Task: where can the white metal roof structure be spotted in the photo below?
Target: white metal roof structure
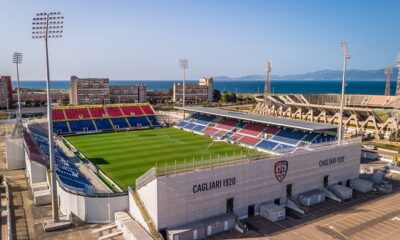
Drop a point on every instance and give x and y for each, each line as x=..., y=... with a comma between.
x=291, y=123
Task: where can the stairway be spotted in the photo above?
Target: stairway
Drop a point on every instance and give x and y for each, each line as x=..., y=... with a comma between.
x=146, y=216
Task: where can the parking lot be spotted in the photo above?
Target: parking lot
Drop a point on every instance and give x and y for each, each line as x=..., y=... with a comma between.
x=364, y=217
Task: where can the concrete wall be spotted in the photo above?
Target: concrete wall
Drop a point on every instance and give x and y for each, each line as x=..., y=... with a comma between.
x=91, y=209
x=255, y=183
x=15, y=154
x=134, y=211
x=35, y=172
x=149, y=196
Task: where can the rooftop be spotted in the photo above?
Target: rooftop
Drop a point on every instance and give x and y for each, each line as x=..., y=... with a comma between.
x=291, y=123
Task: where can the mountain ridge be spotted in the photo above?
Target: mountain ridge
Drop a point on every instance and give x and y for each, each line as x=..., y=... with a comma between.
x=326, y=74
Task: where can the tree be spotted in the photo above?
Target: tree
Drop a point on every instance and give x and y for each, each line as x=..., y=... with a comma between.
x=225, y=97
x=170, y=92
x=216, y=95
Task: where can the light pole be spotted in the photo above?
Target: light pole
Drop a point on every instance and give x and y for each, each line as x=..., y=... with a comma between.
x=183, y=63
x=17, y=59
x=346, y=56
x=267, y=86
x=44, y=26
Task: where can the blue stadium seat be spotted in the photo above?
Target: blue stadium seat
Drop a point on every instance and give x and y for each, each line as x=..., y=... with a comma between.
x=81, y=125
x=153, y=120
x=66, y=171
x=310, y=137
x=289, y=136
x=282, y=148
x=267, y=145
x=103, y=124
x=138, y=122
x=201, y=119
x=120, y=122
x=182, y=124
x=60, y=127
x=190, y=126
x=322, y=138
x=198, y=128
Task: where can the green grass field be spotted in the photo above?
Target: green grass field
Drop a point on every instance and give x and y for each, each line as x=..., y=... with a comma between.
x=124, y=156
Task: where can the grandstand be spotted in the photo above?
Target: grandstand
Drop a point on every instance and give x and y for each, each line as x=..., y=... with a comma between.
x=362, y=114
x=67, y=173
x=267, y=134
x=97, y=118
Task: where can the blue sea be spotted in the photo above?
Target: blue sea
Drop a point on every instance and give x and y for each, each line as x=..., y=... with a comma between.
x=247, y=86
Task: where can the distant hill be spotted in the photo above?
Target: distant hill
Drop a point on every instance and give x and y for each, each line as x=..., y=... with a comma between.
x=352, y=74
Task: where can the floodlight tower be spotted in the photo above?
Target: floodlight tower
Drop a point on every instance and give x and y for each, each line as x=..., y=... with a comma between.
x=48, y=25
x=267, y=87
x=346, y=56
x=17, y=59
x=398, y=75
x=183, y=63
x=388, y=71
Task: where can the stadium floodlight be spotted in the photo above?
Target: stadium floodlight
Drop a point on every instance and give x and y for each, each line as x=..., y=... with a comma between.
x=17, y=59
x=267, y=85
x=47, y=25
x=346, y=56
x=184, y=64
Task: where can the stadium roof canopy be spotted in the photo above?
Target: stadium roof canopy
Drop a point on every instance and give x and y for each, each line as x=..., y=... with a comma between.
x=291, y=123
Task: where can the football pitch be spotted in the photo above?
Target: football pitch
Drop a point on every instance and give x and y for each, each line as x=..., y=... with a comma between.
x=124, y=156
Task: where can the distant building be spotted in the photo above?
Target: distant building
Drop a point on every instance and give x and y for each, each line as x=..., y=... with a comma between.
x=128, y=94
x=6, y=100
x=157, y=96
x=36, y=97
x=89, y=91
x=194, y=93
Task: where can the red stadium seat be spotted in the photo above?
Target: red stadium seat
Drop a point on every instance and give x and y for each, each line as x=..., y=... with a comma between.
x=210, y=130
x=272, y=129
x=148, y=110
x=98, y=112
x=132, y=111
x=253, y=129
x=78, y=113
x=228, y=124
x=114, y=111
x=249, y=140
x=58, y=114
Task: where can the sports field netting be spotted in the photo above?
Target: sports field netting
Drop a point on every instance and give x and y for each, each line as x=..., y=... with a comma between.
x=124, y=156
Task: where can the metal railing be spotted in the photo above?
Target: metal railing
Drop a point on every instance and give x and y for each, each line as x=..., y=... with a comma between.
x=10, y=231
x=210, y=163
x=146, y=178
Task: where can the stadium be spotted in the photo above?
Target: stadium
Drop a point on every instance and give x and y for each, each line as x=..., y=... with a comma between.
x=189, y=181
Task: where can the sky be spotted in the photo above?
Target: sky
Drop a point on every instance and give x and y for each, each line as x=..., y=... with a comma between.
x=144, y=40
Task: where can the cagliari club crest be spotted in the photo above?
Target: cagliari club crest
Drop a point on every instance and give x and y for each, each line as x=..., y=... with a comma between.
x=280, y=170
